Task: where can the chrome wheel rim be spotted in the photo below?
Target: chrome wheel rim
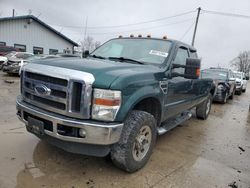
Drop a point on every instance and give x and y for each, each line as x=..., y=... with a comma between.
x=142, y=143
x=208, y=106
x=225, y=100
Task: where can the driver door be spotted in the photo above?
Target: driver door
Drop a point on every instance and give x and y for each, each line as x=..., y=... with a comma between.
x=179, y=96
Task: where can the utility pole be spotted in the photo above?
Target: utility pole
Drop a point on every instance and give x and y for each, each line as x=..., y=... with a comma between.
x=13, y=12
x=196, y=24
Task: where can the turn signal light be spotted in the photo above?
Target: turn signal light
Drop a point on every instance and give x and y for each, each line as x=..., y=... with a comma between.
x=198, y=72
x=107, y=102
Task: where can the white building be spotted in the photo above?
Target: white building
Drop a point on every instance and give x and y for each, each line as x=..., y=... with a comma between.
x=30, y=34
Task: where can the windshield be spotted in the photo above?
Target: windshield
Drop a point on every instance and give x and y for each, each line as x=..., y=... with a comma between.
x=214, y=74
x=144, y=50
x=238, y=75
x=10, y=54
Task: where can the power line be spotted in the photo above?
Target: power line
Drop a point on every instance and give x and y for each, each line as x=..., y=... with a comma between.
x=226, y=14
x=125, y=25
x=186, y=32
x=140, y=29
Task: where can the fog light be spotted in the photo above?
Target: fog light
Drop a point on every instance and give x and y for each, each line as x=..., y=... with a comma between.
x=82, y=133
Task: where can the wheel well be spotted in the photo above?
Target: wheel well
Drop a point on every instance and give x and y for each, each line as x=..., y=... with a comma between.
x=152, y=106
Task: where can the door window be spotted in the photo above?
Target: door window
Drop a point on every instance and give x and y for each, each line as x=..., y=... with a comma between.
x=53, y=51
x=20, y=47
x=180, y=58
x=37, y=50
x=2, y=43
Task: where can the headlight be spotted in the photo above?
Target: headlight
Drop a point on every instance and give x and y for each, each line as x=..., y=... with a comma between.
x=221, y=87
x=106, y=104
x=14, y=65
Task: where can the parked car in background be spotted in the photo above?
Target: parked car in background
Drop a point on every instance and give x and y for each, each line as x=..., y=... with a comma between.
x=13, y=64
x=44, y=56
x=224, y=81
x=4, y=59
x=4, y=50
x=241, y=82
x=247, y=75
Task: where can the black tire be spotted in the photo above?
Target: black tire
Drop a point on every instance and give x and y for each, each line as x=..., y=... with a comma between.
x=203, y=109
x=240, y=92
x=123, y=152
x=243, y=90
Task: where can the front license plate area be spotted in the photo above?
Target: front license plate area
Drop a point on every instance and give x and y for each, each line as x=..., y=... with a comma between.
x=35, y=126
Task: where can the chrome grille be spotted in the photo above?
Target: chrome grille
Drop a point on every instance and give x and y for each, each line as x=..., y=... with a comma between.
x=67, y=95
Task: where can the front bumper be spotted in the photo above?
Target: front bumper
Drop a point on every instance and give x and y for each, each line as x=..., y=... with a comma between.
x=97, y=133
x=219, y=96
x=10, y=69
x=239, y=87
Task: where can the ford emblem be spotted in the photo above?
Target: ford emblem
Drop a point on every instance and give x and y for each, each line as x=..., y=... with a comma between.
x=42, y=90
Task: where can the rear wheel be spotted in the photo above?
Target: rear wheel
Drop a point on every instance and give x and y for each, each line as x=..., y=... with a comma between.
x=137, y=141
x=203, y=110
x=243, y=90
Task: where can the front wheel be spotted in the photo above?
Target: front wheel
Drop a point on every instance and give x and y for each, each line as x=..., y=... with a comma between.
x=203, y=109
x=137, y=141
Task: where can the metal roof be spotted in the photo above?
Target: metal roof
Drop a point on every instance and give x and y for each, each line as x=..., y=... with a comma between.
x=40, y=22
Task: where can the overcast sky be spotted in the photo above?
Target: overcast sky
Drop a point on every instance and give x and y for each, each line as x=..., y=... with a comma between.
x=219, y=38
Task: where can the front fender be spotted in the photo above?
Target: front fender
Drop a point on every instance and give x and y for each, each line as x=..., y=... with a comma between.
x=130, y=101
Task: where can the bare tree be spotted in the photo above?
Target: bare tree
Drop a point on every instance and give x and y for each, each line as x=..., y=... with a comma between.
x=97, y=44
x=242, y=62
x=89, y=44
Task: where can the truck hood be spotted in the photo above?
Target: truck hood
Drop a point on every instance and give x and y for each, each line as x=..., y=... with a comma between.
x=105, y=72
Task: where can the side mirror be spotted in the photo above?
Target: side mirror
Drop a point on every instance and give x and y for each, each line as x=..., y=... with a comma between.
x=192, y=69
x=85, y=54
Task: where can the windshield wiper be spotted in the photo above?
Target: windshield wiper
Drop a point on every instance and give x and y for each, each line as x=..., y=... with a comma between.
x=125, y=59
x=97, y=56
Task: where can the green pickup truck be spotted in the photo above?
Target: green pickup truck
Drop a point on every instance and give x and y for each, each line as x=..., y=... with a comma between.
x=116, y=100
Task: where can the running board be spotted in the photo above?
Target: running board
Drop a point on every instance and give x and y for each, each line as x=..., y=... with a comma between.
x=167, y=126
